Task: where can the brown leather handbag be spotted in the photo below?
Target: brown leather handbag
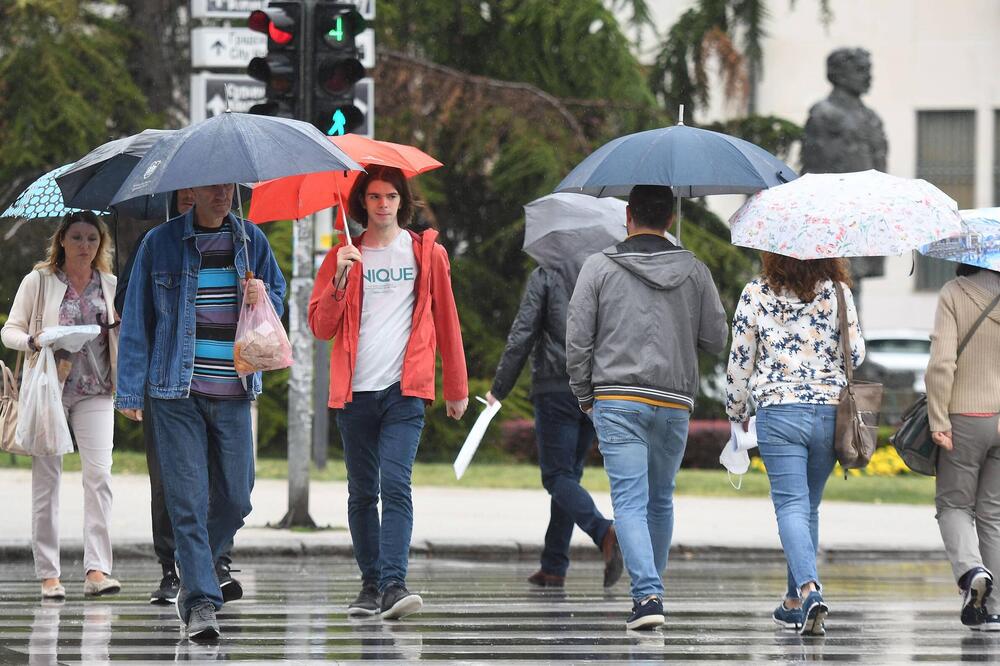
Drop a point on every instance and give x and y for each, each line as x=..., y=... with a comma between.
x=12, y=381
x=856, y=432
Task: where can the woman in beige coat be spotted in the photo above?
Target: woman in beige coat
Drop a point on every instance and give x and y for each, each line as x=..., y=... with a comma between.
x=963, y=404
x=77, y=288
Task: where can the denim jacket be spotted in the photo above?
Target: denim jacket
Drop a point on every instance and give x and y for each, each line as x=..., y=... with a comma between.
x=156, y=350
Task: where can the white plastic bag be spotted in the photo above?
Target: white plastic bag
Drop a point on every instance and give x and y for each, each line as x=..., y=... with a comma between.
x=70, y=338
x=261, y=342
x=41, y=420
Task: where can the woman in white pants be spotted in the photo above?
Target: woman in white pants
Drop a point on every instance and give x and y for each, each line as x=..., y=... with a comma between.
x=77, y=288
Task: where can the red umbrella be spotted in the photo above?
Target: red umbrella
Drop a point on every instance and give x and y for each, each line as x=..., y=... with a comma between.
x=295, y=197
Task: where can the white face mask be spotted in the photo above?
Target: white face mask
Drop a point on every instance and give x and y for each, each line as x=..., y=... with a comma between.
x=735, y=457
x=737, y=461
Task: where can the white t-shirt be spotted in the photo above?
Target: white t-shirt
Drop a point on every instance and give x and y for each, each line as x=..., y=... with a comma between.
x=390, y=277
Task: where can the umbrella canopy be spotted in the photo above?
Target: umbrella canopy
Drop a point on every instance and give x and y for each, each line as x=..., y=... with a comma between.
x=294, y=197
x=93, y=180
x=232, y=148
x=564, y=227
x=42, y=199
x=978, y=244
x=860, y=214
x=694, y=162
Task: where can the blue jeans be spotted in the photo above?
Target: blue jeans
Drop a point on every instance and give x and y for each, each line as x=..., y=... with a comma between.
x=796, y=443
x=564, y=436
x=642, y=447
x=205, y=449
x=380, y=431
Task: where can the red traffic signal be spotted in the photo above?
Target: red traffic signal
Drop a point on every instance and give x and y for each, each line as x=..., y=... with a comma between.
x=278, y=24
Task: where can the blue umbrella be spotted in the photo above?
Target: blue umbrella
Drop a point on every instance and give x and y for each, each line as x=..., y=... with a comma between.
x=694, y=162
x=978, y=244
x=93, y=180
x=233, y=148
x=42, y=199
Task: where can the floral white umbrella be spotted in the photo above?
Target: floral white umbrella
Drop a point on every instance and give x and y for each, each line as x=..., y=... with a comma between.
x=860, y=214
x=978, y=243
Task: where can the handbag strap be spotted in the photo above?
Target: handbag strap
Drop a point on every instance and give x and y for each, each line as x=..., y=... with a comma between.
x=845, y=343
x=9, y=384
x=982, y=317
x=39, y=306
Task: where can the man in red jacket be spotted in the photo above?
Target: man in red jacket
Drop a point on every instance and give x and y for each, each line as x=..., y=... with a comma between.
x=387, y=304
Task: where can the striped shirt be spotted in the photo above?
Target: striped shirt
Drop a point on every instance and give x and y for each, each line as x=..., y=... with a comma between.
x=216, y=314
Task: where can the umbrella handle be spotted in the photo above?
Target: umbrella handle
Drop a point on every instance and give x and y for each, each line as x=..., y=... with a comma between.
x=343, y=216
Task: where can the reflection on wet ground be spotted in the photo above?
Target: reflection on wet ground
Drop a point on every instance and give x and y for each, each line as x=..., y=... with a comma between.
x=483, y=612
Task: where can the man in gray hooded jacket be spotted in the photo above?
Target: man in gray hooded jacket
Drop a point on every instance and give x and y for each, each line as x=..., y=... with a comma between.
x=639, y=314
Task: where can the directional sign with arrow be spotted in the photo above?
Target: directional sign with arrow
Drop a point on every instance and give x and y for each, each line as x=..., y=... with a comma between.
x=226, y=47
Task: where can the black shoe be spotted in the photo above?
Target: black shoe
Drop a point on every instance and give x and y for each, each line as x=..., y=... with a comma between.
x=167, y=592
x=978, y=585
x=647, y=614
x=231, y=588
x=366, y=604
x=398, y=602
x=201, y=624
x=613, y=562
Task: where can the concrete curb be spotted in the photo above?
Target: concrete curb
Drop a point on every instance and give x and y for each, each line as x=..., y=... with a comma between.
x=495, y=551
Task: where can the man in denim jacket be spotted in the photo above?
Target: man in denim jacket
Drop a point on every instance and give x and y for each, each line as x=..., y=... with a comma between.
x=177, y=346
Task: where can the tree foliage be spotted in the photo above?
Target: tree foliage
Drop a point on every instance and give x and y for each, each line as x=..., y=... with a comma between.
x=64, y=85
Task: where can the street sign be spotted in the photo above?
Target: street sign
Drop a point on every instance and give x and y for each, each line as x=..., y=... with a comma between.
x=225, y=9
x=364, y=99
x=365, y=43
x=209, y=92
x=366, y=7
x=226, y=47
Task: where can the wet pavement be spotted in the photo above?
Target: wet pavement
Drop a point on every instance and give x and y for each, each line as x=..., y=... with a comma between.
x=483, y=612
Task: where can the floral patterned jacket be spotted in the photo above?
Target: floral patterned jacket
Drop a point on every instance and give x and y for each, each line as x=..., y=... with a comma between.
x=788, y=351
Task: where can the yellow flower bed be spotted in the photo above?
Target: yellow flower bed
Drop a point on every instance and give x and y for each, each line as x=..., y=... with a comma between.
x=885, y=462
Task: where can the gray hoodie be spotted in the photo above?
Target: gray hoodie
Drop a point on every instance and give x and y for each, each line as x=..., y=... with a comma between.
x=638, y=315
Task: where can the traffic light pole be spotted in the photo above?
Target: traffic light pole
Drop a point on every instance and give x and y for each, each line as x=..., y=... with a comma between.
x=301, y=374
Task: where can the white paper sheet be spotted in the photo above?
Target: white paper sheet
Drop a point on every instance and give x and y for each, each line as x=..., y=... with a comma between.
x=475, y=436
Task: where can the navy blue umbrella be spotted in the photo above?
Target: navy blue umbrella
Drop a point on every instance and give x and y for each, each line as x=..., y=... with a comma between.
x=233, y=148
x=693, y=162
x=94, y=179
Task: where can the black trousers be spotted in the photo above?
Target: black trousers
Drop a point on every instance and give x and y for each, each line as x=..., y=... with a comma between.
x=163, y=532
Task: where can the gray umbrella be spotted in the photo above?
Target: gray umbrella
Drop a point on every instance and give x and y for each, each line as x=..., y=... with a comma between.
x=233, y=148
x=566, y=228
x=93, y=180
x=694, y=162
x=561, y=228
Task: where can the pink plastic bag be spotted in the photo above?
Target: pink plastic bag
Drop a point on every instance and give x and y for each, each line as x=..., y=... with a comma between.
x=261, y=342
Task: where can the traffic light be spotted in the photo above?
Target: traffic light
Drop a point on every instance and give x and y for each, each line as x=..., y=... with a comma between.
x=283, y=23
x=336, y=67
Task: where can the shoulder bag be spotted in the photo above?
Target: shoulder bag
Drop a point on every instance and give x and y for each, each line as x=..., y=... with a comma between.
x=12, y=381
x=913, y=440
x=856, y=431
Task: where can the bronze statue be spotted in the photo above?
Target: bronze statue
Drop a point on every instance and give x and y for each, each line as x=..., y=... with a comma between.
x=842, y=134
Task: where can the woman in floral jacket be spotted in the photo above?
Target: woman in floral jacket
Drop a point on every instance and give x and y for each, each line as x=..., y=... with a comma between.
x=787, y=357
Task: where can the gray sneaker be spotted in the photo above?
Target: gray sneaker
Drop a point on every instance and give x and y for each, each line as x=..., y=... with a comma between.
x=202, y=625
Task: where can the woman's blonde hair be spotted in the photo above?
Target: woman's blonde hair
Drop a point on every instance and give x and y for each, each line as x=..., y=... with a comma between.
x=56, y=255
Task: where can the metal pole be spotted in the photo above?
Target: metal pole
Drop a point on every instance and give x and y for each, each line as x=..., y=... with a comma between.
x=300, y=377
